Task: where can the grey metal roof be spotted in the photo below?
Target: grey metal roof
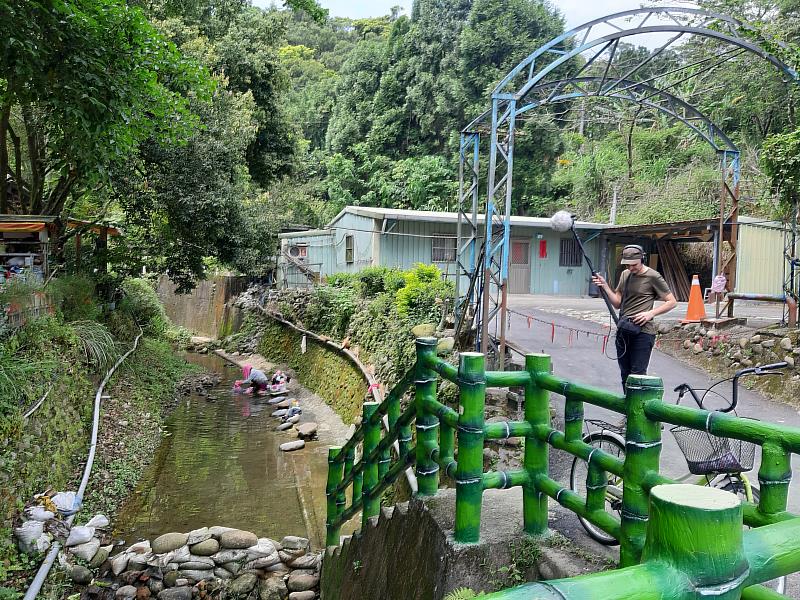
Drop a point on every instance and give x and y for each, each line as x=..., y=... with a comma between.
x=430, y=216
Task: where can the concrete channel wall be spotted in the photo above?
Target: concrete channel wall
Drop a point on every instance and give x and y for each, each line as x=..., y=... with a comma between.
x=208, y=310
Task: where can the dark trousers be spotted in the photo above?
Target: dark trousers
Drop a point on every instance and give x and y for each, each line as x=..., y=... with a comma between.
x=633, y=353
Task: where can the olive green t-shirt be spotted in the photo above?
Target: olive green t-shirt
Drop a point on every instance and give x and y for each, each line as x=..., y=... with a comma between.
x=643, y=290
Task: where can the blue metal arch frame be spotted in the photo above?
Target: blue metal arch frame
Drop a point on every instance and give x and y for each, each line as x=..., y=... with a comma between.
x=507, y=105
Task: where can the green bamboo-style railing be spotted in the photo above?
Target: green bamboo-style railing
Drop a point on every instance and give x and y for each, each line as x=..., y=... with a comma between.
x=451, y=442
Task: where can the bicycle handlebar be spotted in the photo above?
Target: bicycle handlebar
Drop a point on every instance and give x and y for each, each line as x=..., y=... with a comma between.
x=762, y=370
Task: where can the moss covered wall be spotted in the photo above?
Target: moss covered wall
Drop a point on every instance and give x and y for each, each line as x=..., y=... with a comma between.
x=328, y=374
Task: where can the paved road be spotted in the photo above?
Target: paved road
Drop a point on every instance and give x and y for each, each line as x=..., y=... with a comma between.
x=580, y=358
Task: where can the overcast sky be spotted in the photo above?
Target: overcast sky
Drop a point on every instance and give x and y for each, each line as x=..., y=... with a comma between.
x=576, y=11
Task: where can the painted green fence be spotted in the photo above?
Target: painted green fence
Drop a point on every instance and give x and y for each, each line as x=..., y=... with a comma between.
x=439, y=427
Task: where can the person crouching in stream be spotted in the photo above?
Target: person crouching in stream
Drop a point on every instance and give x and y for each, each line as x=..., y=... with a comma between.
x=254, y=380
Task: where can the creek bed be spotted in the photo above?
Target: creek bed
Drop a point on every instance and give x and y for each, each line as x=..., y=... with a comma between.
x=219, y=464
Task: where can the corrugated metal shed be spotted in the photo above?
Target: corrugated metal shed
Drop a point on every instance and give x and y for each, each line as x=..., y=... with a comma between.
x=760, y=260
x=402, y=238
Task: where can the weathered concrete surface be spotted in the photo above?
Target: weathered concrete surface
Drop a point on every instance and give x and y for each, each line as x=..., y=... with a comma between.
x=408, y=552
x=208, y=310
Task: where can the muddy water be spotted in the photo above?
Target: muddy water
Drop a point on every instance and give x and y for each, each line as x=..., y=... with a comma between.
x=219, y=464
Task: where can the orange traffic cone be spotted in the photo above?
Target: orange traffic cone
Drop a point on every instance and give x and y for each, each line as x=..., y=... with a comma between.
x=696, y=311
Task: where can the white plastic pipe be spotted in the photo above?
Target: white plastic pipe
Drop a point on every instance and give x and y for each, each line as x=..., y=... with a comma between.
x=47, y=564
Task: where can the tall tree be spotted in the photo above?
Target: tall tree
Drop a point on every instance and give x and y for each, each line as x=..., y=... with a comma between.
x=82, y=84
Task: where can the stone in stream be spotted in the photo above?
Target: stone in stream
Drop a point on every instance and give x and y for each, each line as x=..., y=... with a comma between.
x=272, y=588
x=100, y=556
x=243, y=584
x=302, y=580
x=233, y=567
x=198, y=563
x=177, y=593
x=218, y=530
x=290, y=446
x=276, y=399
x=196, y=574
x=181, y=555
x=156, y=586
x=285, y=426
x=86, y=551
x=197, y=536
x=126, y=591
x=307, y=431
x=80, y=575
x=293, y=419
x=294, y=542
x=264, y=562
x=264, y=547
x=238, y=539
x=226, y=556
x=284, y=404
x=307, y=561
x=138, y=562
x=205, y=548
x=307, y=595
x=169, y=541
x=279, y=568
x=280, y=412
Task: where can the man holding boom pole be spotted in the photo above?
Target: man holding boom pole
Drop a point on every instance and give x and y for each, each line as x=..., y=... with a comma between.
x=635, y=294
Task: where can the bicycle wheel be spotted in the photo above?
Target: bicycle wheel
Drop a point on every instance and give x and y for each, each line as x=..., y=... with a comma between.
x=736, y=486
x=577, y=483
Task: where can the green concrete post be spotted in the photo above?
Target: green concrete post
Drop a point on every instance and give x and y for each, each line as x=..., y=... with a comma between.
x=334, y=479
x=447, y=447
x=695, y=549
x=537, y=452
x=469, y=473
x=372, y=437
x=596, y=487
x=642, y=454
x=774, y=477
x=573, y=419
x=427, y=423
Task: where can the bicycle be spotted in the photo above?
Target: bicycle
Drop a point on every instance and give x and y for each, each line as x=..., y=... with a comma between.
x=713, y=461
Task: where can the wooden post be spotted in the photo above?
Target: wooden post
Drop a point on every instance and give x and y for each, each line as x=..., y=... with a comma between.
x=537, y=452
x=469, y=472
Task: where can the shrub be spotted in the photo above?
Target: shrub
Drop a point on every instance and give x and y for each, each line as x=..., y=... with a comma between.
x=141, y=302
x=420, y=298
x=75, y=294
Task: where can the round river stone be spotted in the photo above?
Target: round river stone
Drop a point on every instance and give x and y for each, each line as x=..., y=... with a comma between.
x=237, y=539
x=169, y=541
x=205, y=548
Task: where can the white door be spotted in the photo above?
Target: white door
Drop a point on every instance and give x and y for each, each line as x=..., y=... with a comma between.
x=519, y=276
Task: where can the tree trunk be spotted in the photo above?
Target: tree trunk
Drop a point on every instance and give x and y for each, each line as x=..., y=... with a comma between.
x=5, y=114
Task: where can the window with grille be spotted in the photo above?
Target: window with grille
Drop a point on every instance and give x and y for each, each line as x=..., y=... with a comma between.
x=443, y=249
x=569, y=254
x=348, y=249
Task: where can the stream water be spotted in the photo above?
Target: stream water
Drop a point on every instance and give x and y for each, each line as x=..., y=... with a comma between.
x=219, y=464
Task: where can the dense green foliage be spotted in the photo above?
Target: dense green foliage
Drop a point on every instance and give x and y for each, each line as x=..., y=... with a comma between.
x=205, y=126
x=375, y=309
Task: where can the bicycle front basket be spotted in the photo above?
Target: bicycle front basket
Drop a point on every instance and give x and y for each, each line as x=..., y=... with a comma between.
x=707, y=454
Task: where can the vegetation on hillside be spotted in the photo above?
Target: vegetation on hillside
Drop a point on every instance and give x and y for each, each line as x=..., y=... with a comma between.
x=205, y=126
